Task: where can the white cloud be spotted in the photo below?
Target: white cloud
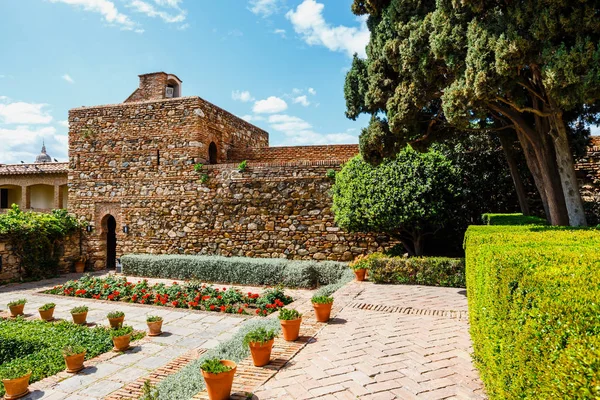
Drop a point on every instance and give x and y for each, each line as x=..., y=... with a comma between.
x=243, y=96
x=183, y=27
x=106, y=8
x=270, y=105
x=24, y=113
x=280, y=32
x=312, y=91
x=264, y=8
x=68, y=78
x=308, y=21
x=302, y=100
x=23, y=143
x=64, y=123
x=168, y=3
x=151, y=11
x=595, y=130
x=250, y=118
x=296, y=91
x=297, y=131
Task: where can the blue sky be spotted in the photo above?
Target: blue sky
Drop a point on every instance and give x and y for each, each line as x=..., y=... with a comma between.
x=277, y=63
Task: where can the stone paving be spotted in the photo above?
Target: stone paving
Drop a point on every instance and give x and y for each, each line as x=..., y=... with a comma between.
x=185, y=330
x=371, y=354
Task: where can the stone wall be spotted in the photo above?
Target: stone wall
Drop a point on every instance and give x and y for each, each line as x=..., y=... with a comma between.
x=295, y=153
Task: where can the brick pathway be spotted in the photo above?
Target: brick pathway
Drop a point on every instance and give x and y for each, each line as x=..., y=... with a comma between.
x=386, y=355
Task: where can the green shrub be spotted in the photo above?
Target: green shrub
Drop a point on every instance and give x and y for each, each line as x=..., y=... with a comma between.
x=121, y=331
x=533, y=307
x=346, y=276
x=47, y=306
x=259, y=335
x=242, y=166
x=235, y=270
x=79, y=310
x=214, y=366
x=115, y=314
x=511, y=219
x=431, y=271
x=153, y=318
x=289, y=314
x=72, y=350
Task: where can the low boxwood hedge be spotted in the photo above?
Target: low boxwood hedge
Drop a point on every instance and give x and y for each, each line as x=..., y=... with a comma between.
x=511, y=219
x=430, y=271
x=235, y=270
x=533, y=307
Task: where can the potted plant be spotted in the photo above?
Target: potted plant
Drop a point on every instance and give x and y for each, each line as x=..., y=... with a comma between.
x=16, y=382
x=322, y=306
x=260, y=341
x=121, y=337
x=359, y=266
x=74, y=357
x=290, y=320
x=154, y=325
x=79, y=315
x=116, y=318
x=16, y=307
x=47, y=311
x=218, y=375
x=80, y=264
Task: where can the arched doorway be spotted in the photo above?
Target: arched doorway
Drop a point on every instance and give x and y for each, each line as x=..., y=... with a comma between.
x=111, y=242
x=212, y=153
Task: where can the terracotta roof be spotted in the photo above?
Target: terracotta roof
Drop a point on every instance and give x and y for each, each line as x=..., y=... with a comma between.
x=41, y=168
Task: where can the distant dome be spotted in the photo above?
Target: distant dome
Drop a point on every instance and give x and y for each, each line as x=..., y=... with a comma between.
x=43, y=157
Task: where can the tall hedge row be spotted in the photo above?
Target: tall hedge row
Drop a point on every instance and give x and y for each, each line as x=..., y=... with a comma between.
x=511, y=219
x=237, y=270
x=534, y=308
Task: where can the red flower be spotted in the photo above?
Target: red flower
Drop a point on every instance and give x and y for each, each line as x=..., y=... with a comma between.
x=111, y=296
x=175, y=303
x=212, y=307
x=224, y=288
x=258, y=311
x=106, y=286
x=116, y=293
x=223, y=308
x=220, y=297
x=240, y=310
x=204, y=298
x=134, y=297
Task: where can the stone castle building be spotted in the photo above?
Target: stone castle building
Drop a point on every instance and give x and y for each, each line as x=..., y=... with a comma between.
x=132, y=175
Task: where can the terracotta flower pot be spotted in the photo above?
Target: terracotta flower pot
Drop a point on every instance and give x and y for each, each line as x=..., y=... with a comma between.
x=116, y=322
x=80, y=318
x=290, y=329
x=322, y=311
x=47, y=315
x=154, y=328
x=79, y=266
x=17, y=310
x=75, y=362
x=121, y=342
x=218, y=386
x=261, y=352
x=360, y=274
x=16, y=388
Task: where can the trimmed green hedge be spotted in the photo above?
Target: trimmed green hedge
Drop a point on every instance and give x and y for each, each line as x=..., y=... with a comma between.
x=511, y=219
x=236, y=270
x=430, y=271
x=533, y=296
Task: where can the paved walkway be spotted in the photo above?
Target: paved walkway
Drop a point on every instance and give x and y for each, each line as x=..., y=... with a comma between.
x=416, y=348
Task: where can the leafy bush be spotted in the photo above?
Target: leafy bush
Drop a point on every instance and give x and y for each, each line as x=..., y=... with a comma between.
x=79, y=310
x=289, y=314
x=47, y=306
x=36, y=239
x=72, y=350
x=511, y=219
x=431, y=271
x=194, y=295
x=188, y=381
x=236, y=270
x=121, y=331
x=115, y=314
x=533, y=306
x=259, y=335
x=17, y=302
x=242, y=166
x=322, y=299
x=37, y=346
x=214, y=366
x=153, y=318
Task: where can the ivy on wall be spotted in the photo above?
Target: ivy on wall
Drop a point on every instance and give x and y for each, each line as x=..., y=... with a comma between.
x=36, y=239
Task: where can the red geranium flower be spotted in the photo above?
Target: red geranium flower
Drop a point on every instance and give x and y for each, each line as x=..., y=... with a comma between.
x=212, y=307
x=223, y=308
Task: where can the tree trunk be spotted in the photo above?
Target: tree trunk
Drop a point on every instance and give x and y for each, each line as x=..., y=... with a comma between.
x=514, y=173
x=419, y=245
x=566, y=171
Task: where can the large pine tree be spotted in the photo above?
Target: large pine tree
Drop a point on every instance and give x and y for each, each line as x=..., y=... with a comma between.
x=439, y=67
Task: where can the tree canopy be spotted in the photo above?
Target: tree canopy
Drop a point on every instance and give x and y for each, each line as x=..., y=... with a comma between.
x=408, y=197
x=438, y=68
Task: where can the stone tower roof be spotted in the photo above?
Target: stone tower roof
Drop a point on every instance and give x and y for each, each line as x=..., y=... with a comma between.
x=43, y=157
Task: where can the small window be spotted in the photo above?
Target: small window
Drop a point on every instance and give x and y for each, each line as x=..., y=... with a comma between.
x=212, y=153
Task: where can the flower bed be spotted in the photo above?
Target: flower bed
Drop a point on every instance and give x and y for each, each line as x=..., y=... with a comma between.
x=191, y=295
x=37, y=346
